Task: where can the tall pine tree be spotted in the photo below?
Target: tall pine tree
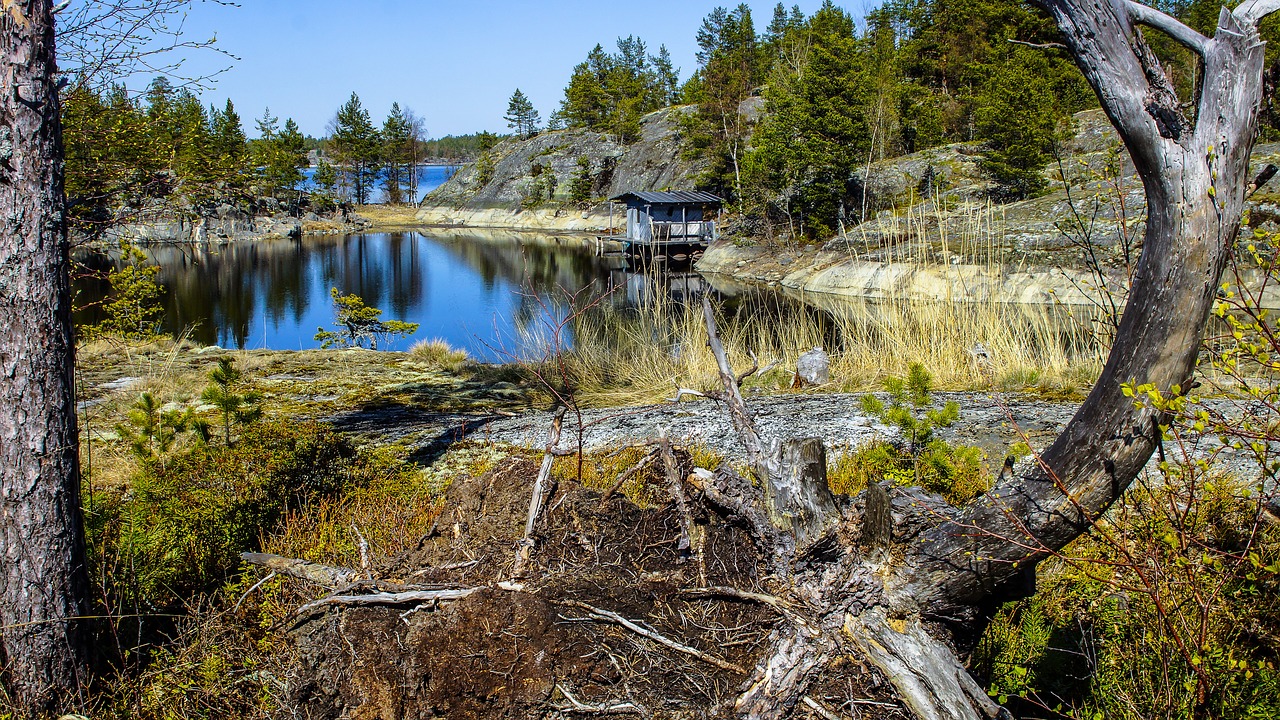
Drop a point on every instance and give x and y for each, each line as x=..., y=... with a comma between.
x=356, y=147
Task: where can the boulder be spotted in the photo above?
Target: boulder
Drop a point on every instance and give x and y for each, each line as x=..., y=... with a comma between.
x=814, y=368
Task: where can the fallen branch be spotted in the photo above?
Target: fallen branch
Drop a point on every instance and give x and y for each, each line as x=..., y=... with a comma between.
x=445, y=568
x=613, y=617
x=682, y=391
x=624, y=477
x=819, y=708
x=256, y=585
x=541, y=488
x=576, y=705
x=364, y=553
x=742, y=420
x=676, y=486
x=325, y=575
x=382, y=598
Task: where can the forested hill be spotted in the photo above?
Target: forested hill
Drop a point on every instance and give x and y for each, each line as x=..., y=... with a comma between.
x=779, y=120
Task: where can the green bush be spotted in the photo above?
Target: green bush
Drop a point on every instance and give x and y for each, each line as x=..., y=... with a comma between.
x=180, y=528
x=1166, y=610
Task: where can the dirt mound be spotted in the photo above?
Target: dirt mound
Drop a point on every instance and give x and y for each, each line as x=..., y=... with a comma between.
x=612, y=617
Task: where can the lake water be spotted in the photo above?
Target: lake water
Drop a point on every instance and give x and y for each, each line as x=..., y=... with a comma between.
x=430, y=177
x=487, y=294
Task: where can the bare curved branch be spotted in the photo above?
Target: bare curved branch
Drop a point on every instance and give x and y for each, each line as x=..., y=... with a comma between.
x=1151, y=17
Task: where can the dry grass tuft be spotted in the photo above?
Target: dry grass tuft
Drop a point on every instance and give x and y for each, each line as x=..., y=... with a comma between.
x=440, y=355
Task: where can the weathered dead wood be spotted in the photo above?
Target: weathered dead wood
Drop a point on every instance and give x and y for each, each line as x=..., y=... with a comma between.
x=728, y=490
x=541, y=489
x=797, y=496
x=928, y=677
x=385, y=598
x=323, y=575
x=690, y=543
x=877, y=518
x=822, y=710
x=784, y=608
x=783, y=674
x=609, y=616
x=365, y=564
x=742, y=420
x=1195, y=178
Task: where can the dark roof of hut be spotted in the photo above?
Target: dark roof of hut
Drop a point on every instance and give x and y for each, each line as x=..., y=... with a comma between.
x=683, y=197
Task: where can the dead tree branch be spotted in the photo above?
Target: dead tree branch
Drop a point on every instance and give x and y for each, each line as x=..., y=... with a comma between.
x=383, y=598
x=576, y=705
x=323, y=575
x=541, y=489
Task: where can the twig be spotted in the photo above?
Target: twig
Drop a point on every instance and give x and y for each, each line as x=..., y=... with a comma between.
x=1039, y=46
x=742, y=420
x=681, y=392
x=256, y=585
x=613, y=617
x=627, y=475
x=576, y=705
x=540, y=491
x=676, y=485
x=782, y=606
x=444, y=568
x=382, y=598
x=819, y=708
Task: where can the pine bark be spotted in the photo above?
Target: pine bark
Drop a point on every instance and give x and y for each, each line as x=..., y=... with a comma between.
x=43, y=580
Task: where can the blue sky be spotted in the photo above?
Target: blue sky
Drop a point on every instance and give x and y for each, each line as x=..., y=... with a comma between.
x=454, y=63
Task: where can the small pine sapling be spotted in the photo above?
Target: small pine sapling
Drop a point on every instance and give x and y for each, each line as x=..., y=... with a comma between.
x=953, y=471
x=238, y=407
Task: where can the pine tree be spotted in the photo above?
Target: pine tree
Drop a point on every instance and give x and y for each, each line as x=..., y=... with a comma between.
x=816, y=132
x=355, y=145
x=229, y=145
x=277, y=154
x=668, y=76
x=521, y=115
x=397, y=141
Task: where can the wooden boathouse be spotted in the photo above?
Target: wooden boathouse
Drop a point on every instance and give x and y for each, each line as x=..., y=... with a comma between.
x=667, y=222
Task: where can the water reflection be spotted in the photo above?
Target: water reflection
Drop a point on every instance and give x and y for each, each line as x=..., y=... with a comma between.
x=497, y=296
x=476, y=293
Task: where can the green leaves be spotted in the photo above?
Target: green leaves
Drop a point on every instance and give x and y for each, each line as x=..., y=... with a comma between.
x=132, y=311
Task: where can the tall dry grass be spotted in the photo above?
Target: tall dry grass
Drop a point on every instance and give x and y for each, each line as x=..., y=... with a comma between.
x=626, y=356
x=635, y=356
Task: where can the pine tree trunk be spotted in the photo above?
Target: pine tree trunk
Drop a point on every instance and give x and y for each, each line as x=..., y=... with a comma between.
x=43, y=580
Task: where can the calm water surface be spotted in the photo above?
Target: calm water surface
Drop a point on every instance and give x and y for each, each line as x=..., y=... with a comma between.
x=430, y=177
x=487, y=294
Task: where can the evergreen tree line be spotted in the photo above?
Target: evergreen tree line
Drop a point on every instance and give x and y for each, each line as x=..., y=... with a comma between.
x=123, y=151
x=788, y=118
x=359, y=155
x=610, y=92
x=126, y=152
